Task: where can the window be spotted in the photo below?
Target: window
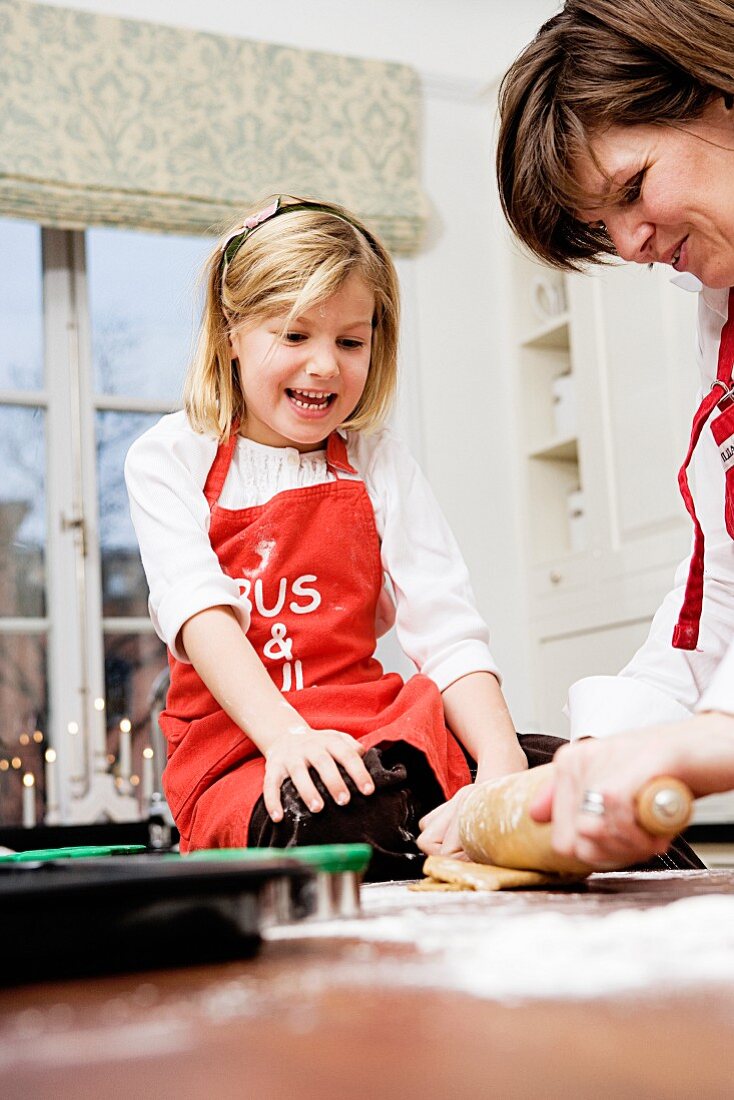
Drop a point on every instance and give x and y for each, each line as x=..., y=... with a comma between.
x=96, y=331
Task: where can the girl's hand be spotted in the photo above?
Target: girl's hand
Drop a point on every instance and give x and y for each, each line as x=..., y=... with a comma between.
x=440, y=828
x=293, y=753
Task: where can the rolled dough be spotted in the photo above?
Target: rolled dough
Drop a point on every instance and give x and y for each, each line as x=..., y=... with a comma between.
x=496, y=828
x=481, y=876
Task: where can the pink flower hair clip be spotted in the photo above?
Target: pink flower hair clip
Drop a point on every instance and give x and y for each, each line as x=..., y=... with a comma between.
x=238, y=236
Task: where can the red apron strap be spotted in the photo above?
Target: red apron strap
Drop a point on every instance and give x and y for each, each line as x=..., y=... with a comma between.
x=337, y=458
x=220, y=467
x=685, y=634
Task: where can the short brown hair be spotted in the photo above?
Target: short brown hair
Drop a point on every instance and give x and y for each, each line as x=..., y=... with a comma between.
x=291, y=263
x=600, y=63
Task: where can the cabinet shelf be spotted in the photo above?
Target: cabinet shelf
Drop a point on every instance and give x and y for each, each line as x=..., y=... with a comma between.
x=599, y=515
x=565, y=449
x=553, y=333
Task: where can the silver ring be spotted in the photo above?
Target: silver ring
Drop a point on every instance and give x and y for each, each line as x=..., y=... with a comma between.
x=592, y=802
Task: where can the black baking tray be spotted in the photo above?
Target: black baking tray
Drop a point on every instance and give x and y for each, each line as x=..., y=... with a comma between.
x=76, y=918
x=19, y=839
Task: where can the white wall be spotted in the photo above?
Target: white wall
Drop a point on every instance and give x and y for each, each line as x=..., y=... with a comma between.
x=456, y=335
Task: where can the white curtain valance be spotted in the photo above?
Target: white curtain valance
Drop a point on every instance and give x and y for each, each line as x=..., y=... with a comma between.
x=107, y=121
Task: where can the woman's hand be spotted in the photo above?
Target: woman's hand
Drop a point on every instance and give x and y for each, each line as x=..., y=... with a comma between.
x=291, y=754
x=700, y=752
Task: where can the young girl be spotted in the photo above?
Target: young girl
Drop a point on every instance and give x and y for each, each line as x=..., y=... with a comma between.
x=281, y=530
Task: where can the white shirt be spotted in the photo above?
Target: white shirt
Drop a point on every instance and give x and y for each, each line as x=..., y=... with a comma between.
x=660, y=683
x=431, y=602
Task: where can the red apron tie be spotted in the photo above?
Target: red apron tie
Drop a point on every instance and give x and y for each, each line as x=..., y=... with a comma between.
x=685, y=634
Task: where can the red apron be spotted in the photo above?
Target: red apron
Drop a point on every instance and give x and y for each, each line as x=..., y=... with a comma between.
x=721, y=396
x=309, y=563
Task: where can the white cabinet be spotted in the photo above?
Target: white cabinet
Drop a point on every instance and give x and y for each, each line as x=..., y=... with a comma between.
x=586, y=653
x=633, y=350
x=604, y=526
x=547, y=424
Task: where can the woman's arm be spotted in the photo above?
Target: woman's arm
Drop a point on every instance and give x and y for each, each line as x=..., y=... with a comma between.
x=234, y=674
x=699, y=751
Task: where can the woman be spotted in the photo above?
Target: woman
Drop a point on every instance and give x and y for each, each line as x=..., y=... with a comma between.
x=617, y=139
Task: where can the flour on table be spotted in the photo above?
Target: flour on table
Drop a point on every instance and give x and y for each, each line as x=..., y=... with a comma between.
x=507, y=949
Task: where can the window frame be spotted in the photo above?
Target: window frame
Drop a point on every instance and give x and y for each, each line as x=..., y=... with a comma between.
x=74, y=624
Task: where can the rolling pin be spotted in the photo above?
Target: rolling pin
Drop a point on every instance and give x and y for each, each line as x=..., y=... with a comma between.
x=496, y=827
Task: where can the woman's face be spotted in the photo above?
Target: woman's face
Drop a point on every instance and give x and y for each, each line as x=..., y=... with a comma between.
x=679, y=209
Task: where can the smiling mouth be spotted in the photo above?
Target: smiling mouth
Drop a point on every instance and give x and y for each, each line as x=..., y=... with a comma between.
x=315, y=400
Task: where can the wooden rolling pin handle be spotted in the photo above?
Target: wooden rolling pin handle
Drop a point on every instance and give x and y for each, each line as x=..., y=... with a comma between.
x=664, y=806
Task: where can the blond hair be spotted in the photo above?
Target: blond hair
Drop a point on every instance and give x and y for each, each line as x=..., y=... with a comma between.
x=600, y=63
x=290, y=263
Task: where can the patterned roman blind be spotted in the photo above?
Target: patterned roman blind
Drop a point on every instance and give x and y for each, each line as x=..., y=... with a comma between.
x=107, y=121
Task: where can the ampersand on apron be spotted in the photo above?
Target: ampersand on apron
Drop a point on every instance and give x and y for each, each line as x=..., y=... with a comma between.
x=308, y=561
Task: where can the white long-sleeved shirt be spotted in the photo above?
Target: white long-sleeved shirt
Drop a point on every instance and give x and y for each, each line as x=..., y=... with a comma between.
x=428, y=597
x=660, y=683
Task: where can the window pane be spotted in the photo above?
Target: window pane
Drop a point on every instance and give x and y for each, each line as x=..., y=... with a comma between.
x=21, y=306
x=143, y=301
x=136, y=679
x=23, y=713
x=22, y=512
x=124, y=589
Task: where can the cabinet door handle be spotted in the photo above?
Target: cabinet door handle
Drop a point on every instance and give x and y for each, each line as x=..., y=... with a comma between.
x=555, y=577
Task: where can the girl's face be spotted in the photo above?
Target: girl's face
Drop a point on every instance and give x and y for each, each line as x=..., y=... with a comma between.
x=679, y=209
x=299, y=385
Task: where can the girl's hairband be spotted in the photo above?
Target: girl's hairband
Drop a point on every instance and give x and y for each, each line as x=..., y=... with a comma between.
x=237, y=238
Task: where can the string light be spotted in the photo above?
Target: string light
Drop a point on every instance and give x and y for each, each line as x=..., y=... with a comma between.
x=28, y=780
x=24, y=739
x=16, y=762
x=99, y=704
x=38, y=737
x=4, y=765
x=148, y=753
x=125, y=725
x=134, y=780
x=73, y=728
x=50, y=756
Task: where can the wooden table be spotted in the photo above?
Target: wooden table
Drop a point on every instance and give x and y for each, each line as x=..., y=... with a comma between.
x=324, y=1016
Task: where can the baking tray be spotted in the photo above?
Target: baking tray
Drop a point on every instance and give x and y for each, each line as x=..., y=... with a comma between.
x=76, y=917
